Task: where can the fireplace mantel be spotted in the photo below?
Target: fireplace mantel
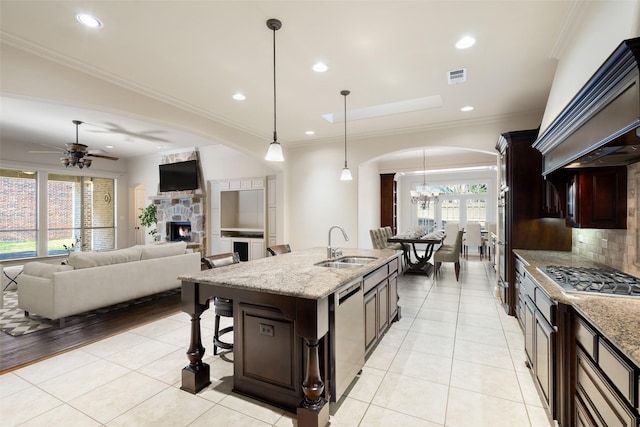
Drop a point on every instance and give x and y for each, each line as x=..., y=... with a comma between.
x=177, y=196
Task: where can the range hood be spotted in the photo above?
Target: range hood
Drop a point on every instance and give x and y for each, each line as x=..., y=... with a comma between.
x=601, y=124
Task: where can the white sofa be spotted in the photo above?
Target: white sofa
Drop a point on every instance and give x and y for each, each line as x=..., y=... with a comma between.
x=92, y=280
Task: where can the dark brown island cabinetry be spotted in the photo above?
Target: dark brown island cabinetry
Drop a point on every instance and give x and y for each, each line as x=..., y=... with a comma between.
x=597, y=198
x=380, y=303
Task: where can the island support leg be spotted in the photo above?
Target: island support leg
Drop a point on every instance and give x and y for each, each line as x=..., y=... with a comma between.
x=313, y=411
x=196, y=375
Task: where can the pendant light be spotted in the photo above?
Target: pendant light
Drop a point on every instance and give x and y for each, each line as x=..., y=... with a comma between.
x=424, y=197
x=346, y=173
x=275, y=149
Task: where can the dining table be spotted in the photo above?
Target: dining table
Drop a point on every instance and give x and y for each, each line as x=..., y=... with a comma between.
x=418, y=263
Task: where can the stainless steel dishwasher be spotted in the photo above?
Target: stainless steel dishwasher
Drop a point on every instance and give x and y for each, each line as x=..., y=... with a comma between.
x=347, y=337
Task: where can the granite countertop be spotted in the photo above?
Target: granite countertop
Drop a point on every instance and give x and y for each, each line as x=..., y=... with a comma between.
x=292, y=274
x=617, y=318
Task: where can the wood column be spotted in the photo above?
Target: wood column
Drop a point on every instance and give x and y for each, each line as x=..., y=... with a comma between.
x=196, y=375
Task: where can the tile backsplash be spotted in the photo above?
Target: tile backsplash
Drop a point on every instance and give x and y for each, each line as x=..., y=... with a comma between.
x=614, y=248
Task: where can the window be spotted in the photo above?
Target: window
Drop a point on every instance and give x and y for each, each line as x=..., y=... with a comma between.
x=456, y=202
x=18, y=216
x=78, y=214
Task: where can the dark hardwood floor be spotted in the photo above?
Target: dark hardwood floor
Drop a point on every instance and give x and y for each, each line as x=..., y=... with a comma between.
x=16, y=352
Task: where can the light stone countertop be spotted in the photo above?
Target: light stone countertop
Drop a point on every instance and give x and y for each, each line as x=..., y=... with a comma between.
x=292, y=274
x=617, y=318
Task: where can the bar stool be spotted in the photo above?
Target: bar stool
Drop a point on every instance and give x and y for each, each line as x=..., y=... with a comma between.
x=222, y=306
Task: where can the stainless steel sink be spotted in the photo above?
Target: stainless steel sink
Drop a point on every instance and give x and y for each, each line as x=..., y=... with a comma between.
x=336, y=264
x=356, y=259
x=347, y=262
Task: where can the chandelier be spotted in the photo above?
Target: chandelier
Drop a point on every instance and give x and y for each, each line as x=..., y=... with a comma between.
x=74, y=154
x=424, y=197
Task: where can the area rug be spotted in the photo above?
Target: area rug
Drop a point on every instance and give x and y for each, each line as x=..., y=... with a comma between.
x=15, y=323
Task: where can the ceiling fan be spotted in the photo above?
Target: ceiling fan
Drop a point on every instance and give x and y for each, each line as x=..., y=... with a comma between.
x=76, y=154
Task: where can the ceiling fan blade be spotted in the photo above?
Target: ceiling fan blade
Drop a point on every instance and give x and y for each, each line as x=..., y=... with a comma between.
x=101, y=156
x=45, y=152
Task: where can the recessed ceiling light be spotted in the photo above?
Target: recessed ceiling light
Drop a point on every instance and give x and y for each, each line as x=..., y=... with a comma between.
x=108, y=146
x=467, y=108
x=465, y=42
x=88, y=20
x=239, y=97
x=309, y=132
x=320, y=67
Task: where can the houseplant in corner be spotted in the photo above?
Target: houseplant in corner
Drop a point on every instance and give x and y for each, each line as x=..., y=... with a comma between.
x=148, y=218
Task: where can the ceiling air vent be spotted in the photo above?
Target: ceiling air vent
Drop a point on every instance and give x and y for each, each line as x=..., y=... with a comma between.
x=457, y=76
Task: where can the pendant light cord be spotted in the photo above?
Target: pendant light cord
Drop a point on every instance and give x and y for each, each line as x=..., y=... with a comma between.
x=345, y=93
x=275, y=134
x=345, y=129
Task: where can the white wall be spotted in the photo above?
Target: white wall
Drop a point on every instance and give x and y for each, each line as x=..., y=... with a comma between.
x=368, y=197
x=318, y=199
x=597, y=29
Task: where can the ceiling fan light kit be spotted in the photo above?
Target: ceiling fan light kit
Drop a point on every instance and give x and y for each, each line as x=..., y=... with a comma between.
x=75, y=154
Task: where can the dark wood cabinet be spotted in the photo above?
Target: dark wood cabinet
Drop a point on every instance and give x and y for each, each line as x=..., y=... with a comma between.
x=523, y=202
x=380, y=303
x=597, y=198
x=606, y=382
x=540, y=335
x=388, y=201
x=554, y=196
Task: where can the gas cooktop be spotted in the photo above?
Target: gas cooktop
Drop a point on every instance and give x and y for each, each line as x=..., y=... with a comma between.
x=605, y=282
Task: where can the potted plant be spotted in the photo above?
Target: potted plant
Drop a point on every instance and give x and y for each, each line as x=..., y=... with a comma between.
x=148, y=218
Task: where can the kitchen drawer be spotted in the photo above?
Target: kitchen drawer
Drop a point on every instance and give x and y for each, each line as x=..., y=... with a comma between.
x=527, y=287
x=546, y=306
x=586, y=337
x=520, y=267
x=600, y=401
x=583, y=419
x=393, y=266
x=618, y=371
x=372, y=279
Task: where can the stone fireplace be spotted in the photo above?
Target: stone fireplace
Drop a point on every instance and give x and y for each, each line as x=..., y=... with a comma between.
x=181, y=214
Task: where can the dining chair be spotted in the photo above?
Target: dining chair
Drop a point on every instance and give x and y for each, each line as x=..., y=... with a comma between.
x=279, y=249
x=449, y=253
x=451, y=229
x=473, y=238
x=222, y=306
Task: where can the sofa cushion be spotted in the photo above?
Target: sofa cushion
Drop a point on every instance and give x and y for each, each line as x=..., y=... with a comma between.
x=94, y=259
x=42, y=269
x=164, y=250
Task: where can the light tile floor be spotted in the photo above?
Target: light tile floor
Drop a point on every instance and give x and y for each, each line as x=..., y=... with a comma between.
x=454, y=359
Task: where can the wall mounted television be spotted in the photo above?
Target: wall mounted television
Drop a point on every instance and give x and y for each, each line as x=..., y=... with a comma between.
x=179, y=176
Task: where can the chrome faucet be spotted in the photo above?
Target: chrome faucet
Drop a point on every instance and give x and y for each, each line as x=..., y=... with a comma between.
x=332, y=253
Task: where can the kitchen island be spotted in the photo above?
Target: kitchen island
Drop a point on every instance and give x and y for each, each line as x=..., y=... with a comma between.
x=583, y=349
x=283, y=331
